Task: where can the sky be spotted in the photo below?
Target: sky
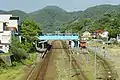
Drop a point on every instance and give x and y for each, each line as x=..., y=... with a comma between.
x=68, y=5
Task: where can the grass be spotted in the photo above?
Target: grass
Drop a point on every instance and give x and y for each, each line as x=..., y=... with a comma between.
x=113, y=48
x=31, y=60
x=5, y=54
x=114, y=52
x=16, y=72
x=90, y=67
x=110, y=63
x=92, y=43
x=12, y=73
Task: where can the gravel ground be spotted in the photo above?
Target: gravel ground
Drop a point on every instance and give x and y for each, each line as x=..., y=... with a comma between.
x=58, y=68
x=115, y=58
x=112, y=58
x=62, y=65
x=85, y=61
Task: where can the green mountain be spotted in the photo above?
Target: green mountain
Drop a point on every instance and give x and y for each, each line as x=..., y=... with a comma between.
x=19, y=13
x=2, y=12
x=97, y=11
x=106, y=17
x=53, y=17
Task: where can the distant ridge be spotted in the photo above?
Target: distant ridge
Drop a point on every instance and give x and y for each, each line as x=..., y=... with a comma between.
x=52, y=17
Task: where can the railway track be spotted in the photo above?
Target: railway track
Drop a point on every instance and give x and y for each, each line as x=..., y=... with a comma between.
x=38, y=72
x=109, y=73
x=74, y=64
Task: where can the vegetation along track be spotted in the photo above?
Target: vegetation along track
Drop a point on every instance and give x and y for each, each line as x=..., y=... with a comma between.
x=74, y=64
x=109, y=73
x=38, y=72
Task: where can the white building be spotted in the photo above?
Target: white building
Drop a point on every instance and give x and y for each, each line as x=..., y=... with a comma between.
x=5, y=39
x=86, y=35
x=118, y=37
x=8, y=25
x=104, y=34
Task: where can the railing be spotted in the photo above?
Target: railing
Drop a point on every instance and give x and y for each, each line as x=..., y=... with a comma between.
x=59, y=34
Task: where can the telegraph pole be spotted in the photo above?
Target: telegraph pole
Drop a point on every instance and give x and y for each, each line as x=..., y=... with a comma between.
x=70, y=66
x=95, y=66
x=70, y=57
x=95, y=62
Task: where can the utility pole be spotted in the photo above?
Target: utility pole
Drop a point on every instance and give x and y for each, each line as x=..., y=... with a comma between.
x=107, y=43
x=95, y=68
x=70, y=66
x=95, y=62
x=69, y=48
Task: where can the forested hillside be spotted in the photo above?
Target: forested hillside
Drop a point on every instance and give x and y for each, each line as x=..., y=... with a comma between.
x=106, y=17
x=53, y=18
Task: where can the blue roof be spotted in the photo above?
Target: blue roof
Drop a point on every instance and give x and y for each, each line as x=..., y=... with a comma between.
x=58, y=37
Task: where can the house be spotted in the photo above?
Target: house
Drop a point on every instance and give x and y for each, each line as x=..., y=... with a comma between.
x=99, y=33
x=86, y=35
x=104, y=34
x=93, y=35
x=9, y=25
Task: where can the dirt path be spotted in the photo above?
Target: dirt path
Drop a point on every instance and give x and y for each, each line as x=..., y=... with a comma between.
x=59, y=65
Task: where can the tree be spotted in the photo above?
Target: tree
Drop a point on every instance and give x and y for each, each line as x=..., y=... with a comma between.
x=108, y=21
x=77, y=26
x=17, y=50
x=29, y=31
